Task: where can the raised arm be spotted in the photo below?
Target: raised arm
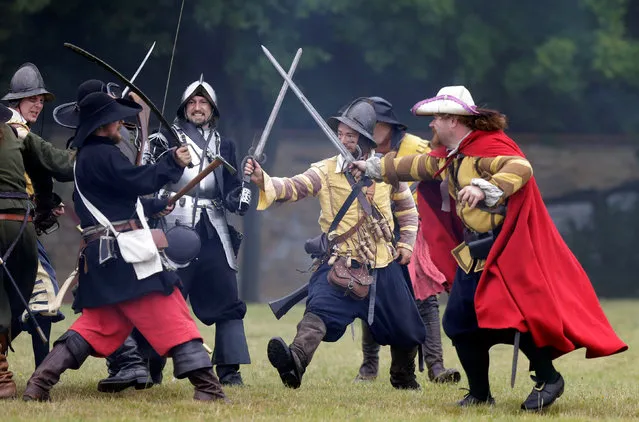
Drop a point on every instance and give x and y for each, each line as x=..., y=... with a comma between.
x=284, y=189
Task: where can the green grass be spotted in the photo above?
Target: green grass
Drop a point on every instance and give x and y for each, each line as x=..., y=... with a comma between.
x=599, y=389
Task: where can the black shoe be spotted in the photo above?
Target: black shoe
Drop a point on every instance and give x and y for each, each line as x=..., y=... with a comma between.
x=232, y=378
x=410, y=385
x=543, y=394
x=470, y=400
x=281, y=357
x=125, y=378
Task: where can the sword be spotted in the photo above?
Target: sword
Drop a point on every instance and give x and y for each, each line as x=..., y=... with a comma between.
x=513, y=373
x=173, y=137
x=348, y=157
x=257, y=151
x=137, y=72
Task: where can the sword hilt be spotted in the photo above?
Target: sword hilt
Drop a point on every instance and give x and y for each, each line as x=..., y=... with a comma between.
x=245, y=196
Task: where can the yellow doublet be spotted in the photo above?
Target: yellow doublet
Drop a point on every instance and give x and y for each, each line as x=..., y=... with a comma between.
x=326, y=181
x=508, y=173
x=409, y=145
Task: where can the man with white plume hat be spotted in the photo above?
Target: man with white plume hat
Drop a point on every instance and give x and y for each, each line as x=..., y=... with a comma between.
x=542, y=302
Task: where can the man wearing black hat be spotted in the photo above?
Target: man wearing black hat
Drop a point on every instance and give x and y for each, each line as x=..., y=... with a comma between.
x=360, y=247
x=18, y=240
x=127, y=366
x=427, y=281
x=122, y=282
x=26, y=98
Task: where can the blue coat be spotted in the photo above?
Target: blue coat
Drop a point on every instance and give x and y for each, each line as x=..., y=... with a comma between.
x=112, y=184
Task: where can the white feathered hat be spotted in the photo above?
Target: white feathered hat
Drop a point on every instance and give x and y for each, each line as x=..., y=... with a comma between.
x=449, y=100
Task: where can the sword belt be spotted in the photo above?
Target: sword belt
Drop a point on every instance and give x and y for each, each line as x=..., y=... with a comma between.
x=15, y=217
x=93, y=233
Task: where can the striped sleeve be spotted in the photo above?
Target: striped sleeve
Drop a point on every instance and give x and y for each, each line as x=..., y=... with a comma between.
x=290, y=189
x=409, y=168
x=406, y=214
x=508, y=173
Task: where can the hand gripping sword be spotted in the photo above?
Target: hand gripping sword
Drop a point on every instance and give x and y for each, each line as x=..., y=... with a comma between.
x=257, y=151
x=283, y=305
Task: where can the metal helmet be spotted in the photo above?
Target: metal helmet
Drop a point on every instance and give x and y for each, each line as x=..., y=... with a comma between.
x=359, y=116
x=199, y=88
x=385, y=113
x=27, y=82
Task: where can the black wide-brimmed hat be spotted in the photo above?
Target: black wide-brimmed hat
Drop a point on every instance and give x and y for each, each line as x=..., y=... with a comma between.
x=98, y=109
x=68, y=114
x=5, y=114
x=385, y=113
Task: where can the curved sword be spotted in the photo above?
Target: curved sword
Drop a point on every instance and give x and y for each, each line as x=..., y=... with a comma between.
x=137, y=72
x=173, y=138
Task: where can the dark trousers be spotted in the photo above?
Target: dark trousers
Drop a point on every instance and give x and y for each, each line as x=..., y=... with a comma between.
x=397, y=321
x=473, y=343
x=210, y=284
x=22, y=263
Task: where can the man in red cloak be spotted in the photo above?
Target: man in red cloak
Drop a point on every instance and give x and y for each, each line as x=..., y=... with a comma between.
x=516, y=280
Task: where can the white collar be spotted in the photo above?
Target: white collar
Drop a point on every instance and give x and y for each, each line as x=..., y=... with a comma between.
x=339, y=168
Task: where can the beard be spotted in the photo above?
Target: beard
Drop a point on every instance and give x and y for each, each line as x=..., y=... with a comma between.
x=435, y=142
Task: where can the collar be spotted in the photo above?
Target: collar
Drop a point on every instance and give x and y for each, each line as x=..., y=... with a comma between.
x=17, y=117
x=339, y=168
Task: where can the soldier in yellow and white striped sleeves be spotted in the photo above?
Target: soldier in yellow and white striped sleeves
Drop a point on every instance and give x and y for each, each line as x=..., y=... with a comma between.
x=388, y=308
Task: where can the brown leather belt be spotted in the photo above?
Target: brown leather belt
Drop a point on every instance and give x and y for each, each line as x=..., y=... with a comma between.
x=15, y=217
x=124, y=227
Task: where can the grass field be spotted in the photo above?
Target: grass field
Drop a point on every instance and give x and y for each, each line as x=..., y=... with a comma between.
x=600, y=389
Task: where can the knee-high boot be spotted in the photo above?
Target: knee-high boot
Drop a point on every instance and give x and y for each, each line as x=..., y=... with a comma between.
x=432, y=348
x=69, y=352
x=370, y=353
x=191, y=361
x=291, y=361
x=126, y=369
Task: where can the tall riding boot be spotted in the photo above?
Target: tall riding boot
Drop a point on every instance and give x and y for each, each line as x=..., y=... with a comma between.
x=7, y=385
x=40, y=348
x=191, y=361
x=432, y=348
x=291, y=361
x=402, y=370
x=69, y=352
x=370, y=351
x=126, y=369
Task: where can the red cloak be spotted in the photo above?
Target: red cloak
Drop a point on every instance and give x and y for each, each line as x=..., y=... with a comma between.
x=532, y=281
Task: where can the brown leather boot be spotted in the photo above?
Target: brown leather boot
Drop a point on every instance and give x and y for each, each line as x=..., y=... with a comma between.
x=7, y=385
x=191, y=361
x=370, y=351
x=432, y=348
x=291, y=361
x=69, y=352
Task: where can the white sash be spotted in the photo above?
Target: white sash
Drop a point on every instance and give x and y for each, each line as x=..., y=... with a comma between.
x=136, y=246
